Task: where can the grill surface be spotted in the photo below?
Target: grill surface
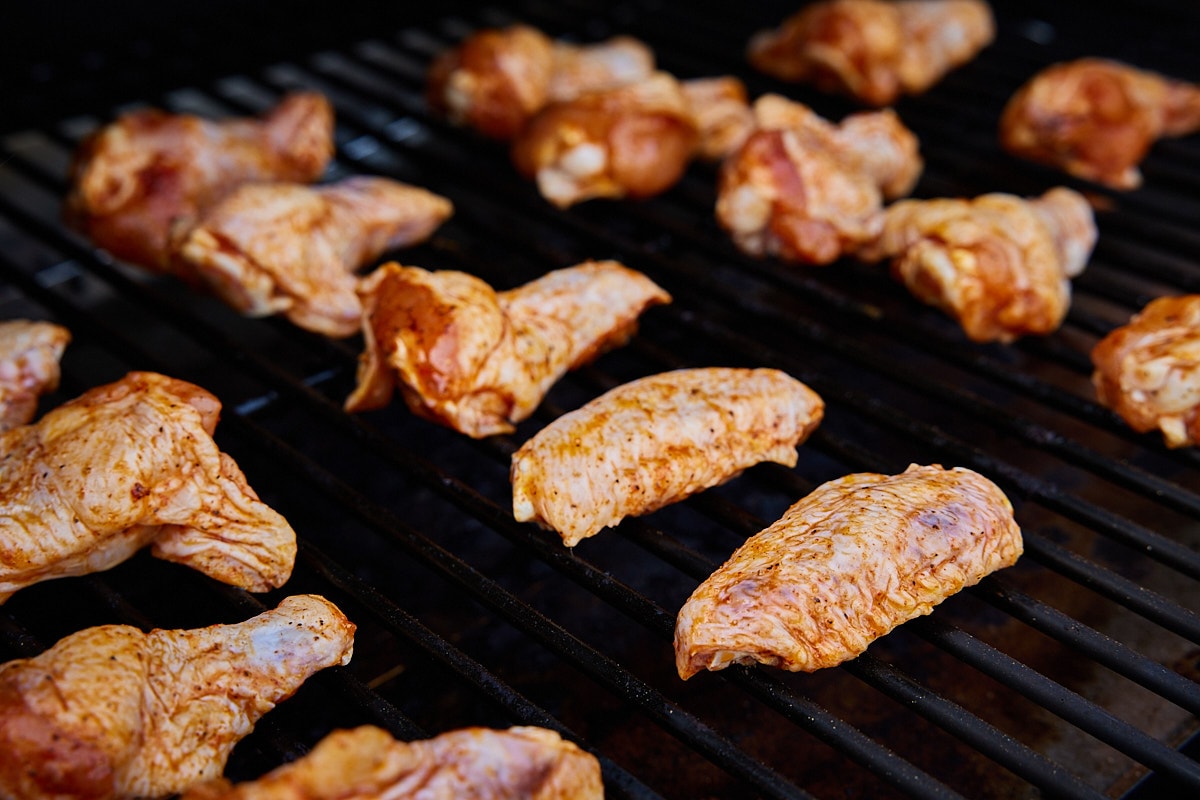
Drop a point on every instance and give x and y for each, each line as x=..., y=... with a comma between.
x=1072, y=674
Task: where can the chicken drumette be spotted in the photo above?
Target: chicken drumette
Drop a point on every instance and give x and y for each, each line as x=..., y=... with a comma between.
x=29, y=356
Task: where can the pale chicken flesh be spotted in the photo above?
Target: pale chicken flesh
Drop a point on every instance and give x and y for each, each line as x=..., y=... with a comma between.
x=478, y=360
x=721, y=112
x=1096, y=119
x=286, y=248
x=366, y=763
x=844, y=566
x=656, y=441
x=138, y=181
x=113, y=712
x=130, y=464
x=29, y=354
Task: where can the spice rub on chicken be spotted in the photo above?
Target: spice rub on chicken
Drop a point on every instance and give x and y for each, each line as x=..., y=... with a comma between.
x=286, y=248
x=29, y=355
x=366, y=763
x=130, y=464
x=844, y=566
x=999, y=264
x=655, y=441
x=874, y=50
x=138, y=181
x=478, y=360
x=721, y=112
x=114, y=712
x=1096, y=119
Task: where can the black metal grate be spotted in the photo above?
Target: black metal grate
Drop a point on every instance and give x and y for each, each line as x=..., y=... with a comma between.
x=1072, y=674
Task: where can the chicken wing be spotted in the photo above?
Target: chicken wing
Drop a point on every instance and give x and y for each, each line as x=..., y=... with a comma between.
x=874, y=50
x=844, y=566
x=721, y=113
x=656, y=441
x=478, y=360
x=29, y=356
x=128, y=464
x=998, y=264
x=150, y=173
x=1148, y=371
x=366, y=763
x=271, y=248
x=1096, y=119
x=113, y=712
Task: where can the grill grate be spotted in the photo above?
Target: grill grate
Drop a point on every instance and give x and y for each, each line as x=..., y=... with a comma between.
x=1072, y=674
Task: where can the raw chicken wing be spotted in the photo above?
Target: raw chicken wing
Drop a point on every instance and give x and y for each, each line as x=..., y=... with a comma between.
x=844, y=566
x=478, y=360
x=656, y=441
x=150, y=173
x=29, y=356
x=366, y=763
x=721, y=113
x=271, y=248
x=128, y=464
x=113, y=712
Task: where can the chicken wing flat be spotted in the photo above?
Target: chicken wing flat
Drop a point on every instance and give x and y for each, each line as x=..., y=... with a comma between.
x=113, y=712
x=128, y=464
x=805, y=190
x=150, y=172
x=1148, y=371
x=999, y=264
x=656, y=441
x=631, y=141
x=721, y=112
x=1096, y=119
x=874, y=50
x=29, y=356
x=844, y=566
x=291, y=249
x=478, y=360
x=366, y=763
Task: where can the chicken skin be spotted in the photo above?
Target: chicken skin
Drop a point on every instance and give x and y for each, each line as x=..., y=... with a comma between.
x=1148, y=371
x=721, y=113
x=874, y=50
x=999, y=264
x=656, y=441
x=844, y=566
x=807, y=191
x=29, y=356
x=125, y=465
x=286, y=248
x=137, y=182
x=1096, y=119
x=113, y=712
x=478, y=360
x=366, y=763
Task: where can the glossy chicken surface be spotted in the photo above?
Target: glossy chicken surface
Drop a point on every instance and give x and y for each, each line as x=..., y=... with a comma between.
x=721, y=112
x=286, y=248
x=478, y=360
x=844, y=566
x=29, y=355
x=129, y=464
x=1097, y=119
x=366, y=763
x=999, y=264
x=874, y=50
x=1148, y=371
x=656, y=441
x=114, y=712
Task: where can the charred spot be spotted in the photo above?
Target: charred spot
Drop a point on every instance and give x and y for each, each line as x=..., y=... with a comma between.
x=138, y=491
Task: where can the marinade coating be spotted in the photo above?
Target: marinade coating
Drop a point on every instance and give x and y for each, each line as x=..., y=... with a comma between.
x=29, y=355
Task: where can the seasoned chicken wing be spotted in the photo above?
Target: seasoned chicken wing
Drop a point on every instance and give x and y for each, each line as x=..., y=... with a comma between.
x=128, y=464
x=29, y=356
x=656, y=441
x=366, y=763
x=874, y=50
x=478, y=360
x=844, y=566
x=113, y=712
x=286, y=248
x=721, y=113
x=1096, y=119
x=999, y=264
x=1148, y=371
x=149, y=173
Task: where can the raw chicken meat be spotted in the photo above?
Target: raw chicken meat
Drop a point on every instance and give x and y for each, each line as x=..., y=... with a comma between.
x=29, y=356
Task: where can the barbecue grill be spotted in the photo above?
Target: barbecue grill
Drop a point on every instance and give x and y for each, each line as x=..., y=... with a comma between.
x=1072, y=674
